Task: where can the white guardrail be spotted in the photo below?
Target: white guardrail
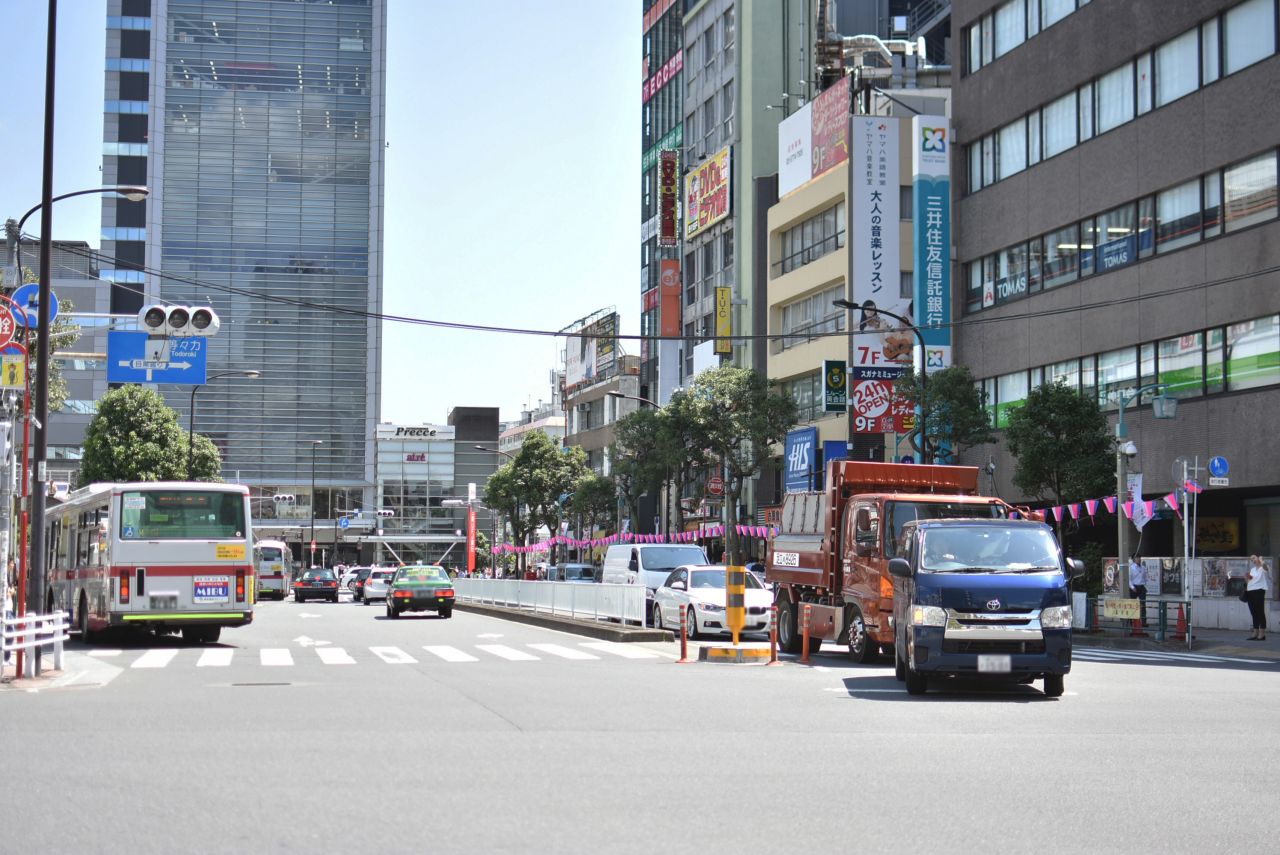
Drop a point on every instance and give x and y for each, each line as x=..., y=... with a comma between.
x=28, y=632
x=582, y=600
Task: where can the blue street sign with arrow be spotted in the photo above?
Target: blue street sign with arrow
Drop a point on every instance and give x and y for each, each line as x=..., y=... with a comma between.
x=28, y=297
x=128, y=361
x=344, y=523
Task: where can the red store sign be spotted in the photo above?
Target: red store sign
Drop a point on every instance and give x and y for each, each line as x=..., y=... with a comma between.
x=668, y=199
x=663, y=76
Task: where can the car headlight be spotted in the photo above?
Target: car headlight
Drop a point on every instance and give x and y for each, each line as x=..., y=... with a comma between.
x=928, y=616
x=709, y=607
x=1056, y=617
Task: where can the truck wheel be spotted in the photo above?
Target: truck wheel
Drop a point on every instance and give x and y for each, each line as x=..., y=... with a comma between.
x=862, y=649
x=899, y=667
x=1053, y=685
x=788, y=636
x=916, y=682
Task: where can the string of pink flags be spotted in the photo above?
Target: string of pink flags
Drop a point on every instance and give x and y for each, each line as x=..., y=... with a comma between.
x=1145, y=508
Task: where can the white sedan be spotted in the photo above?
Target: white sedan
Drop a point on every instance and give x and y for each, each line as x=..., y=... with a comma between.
x=698, y=590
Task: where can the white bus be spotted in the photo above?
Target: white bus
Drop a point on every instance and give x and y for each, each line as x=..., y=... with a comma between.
x=271, y=562
x=165, y=556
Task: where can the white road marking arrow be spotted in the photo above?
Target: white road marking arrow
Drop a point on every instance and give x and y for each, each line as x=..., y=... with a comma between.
x=308, y=615
x=307, y=641
x=489, y=635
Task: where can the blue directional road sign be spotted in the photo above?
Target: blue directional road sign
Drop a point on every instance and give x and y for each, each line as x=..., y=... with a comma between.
x=28, y=297
x=344, y=523
x=1218, y=467
x=128, y=362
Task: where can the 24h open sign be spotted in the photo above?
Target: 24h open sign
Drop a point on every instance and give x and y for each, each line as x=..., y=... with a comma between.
x=872, y=406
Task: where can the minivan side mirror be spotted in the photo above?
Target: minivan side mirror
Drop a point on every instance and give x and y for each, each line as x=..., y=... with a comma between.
x=900, y=568
x=1077, y=568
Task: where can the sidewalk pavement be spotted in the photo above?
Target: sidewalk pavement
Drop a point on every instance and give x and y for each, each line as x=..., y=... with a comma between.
x=1215, y=642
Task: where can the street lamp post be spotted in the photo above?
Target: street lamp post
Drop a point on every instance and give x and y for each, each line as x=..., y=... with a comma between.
x=924, y=369
x=515, y=519
x=1163, y=407
x=191, y=419
x=315, y=443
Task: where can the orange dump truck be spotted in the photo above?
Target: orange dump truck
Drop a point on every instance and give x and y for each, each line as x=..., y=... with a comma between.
x=833, y=547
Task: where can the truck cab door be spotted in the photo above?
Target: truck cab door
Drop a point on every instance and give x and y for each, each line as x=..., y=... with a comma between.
x=861, y=545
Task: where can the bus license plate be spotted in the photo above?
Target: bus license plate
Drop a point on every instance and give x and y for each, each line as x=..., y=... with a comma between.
x=991, y=663
x=211, y=589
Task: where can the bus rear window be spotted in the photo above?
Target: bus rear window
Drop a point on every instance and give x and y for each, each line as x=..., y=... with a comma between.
x=181, y=515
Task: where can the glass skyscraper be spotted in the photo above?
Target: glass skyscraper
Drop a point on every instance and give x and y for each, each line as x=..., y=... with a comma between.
x=258, y=126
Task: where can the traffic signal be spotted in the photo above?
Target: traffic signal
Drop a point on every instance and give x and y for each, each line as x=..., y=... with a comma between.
x=284, y=498
x=386, y=512
x=204, y=321
x=178, y=321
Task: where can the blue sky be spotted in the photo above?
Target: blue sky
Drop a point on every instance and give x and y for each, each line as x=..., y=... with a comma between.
x=512, y=179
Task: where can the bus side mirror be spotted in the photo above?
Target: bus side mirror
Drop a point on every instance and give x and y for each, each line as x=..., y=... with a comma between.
x=1077, y=568
x=900, y=568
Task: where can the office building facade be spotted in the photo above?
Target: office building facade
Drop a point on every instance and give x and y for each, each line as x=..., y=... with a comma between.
x=1116, y=226
x=258, y=127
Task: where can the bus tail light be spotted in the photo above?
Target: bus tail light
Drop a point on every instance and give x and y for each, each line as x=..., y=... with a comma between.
x=124, y=587
x=239, y=586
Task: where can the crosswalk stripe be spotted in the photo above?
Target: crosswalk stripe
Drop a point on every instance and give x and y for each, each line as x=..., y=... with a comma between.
x=449, y=654
x=563, y=652
x=334, y=656
x=155, y=659
x=1153, y=656
x=105, y=652
x=217, y=657
x=392, y=655
x=504, y=652
x=275, y=656
x=626, y=651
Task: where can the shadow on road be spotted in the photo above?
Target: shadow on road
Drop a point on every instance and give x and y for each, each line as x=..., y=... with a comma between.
x=887, y=688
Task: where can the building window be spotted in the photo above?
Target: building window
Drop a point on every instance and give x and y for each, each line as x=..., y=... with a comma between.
x=807, y=393
x=1253, y=353
x=1117, y=376
x=1211, y=56
x=1067, y=373
x=1115, y=98
x=1012, y=145
x=975, y=48
x=1053, y=11
x=1250, y=192
x=1178, y=216
x=1010, y=26
x=1061, y=256
x=1011, y=392
x=810, y=316
x=817, y=236
x=1033, y=137
x=1213, y=365
x=1178, y=67
x=1249, y=34
x=1060, y=125
x=1116, y=238
x=1181, y=365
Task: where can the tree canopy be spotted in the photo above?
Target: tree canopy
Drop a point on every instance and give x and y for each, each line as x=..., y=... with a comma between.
x=1060, y=440
x=135, y=436
x=954, y=412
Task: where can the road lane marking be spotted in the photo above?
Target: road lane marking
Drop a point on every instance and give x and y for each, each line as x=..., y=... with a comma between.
x=615, y=648
x=105, y=652
x=218, y=657
x=563, y=652
x=392, y=655
x=509, y=653
x=334, y=656
x=154, y=659
x=449, y=654
x=1097, y=654
x=275, y=656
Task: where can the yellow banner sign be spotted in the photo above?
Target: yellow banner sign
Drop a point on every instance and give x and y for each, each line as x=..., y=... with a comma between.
x=724, y=320
x=706, y=193
x=13, y=372
x=1122, y=609
x=229, y=551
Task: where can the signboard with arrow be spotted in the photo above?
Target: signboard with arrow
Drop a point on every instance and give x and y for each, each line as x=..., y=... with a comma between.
x=183, y=360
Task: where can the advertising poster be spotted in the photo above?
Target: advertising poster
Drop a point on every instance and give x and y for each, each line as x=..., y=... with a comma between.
x=835, y=386
x=795, y=135
x=871, y=406
x=1170, y=576
x=931, y=235
x=706, y=193
x=830, y=135
x=590, y=352
x=669, y=286
x=882, y=346
x=724, y=320
x=799, y=459
x=668, y=199
x=1110, y=576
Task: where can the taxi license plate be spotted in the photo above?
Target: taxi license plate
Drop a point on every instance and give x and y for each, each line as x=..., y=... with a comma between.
x=992, y=663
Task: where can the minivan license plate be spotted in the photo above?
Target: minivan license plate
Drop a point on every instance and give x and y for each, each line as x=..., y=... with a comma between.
x=994, y=664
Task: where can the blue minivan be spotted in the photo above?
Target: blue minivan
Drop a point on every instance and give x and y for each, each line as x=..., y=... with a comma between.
x=982, y=598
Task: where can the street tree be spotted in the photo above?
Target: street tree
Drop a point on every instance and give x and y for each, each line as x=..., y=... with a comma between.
x=553, y=476
x=682, y=448
x=738, y=419
x=954, y=412
x=639, y=464
x=1060, y=440
x=505, y=491
x=595, y=501
x=135, y=436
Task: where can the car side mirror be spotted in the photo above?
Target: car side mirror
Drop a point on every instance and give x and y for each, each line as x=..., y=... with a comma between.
x=900, y=568
x=679, y=586
x=1077, y=568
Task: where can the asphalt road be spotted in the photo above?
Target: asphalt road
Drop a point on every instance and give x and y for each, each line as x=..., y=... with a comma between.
x=479, y=735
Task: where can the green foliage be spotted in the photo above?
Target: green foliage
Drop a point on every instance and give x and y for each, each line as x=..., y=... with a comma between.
x=640, y=461
x=483, y=556
x=737, y=418
x=62, y=335
x=596, y=501
x=1060, y=440
x=135, y=436
x=954, y=411
x=1091, y=554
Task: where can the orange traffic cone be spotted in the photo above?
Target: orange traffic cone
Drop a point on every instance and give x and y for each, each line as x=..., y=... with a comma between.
x=1181, y=633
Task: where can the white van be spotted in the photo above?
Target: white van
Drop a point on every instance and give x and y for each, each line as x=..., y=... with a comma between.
x=647, y=564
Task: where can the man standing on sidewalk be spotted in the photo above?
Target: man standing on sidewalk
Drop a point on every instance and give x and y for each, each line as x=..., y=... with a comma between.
x=1138, y=585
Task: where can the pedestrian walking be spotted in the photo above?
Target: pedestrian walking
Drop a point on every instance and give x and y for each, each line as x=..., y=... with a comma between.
x=1256, y=596
x=1138, y=584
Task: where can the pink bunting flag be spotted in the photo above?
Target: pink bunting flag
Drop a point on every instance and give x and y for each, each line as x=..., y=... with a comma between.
x=1091, y=506
x=1014, y=515
x=1057, y=513
x=1110, y=502
x=1128, y=509
x=1172, y=500
x=1074, y=507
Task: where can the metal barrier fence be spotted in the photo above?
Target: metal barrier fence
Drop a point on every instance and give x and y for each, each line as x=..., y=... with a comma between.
x=568, y=599
x=31, y=631
x=1162, y=620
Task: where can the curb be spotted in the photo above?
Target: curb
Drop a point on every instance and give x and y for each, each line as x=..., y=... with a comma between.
x=605, y=632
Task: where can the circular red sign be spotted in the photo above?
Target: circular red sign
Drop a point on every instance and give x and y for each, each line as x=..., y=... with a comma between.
x=715, y=486
x=7, y=326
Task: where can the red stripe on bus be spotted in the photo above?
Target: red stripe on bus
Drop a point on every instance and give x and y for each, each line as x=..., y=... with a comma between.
x=183, y=570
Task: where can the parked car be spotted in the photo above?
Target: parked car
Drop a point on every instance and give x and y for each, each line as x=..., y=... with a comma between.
x=573, y=573
x=375, y=587
x=318, y=583
x=357, y=584
x=647, y=564
x=698, y=590
x=420, y=589
x=348, y=578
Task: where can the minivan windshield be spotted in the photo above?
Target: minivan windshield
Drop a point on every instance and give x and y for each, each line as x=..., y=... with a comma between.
x=898, y=514
x=670, y=557
x=989, y=549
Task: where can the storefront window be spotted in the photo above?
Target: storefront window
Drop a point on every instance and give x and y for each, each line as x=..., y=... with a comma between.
x=1181, y=365
x=1253, y=353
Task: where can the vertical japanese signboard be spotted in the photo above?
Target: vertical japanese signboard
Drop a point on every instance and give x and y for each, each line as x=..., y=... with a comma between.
x=669, y=290
x=830, y=135
x=931, y=236
x=881, y=346
x=799, y=458
x=668, y=199
x=724, y=320
x=835, y=386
